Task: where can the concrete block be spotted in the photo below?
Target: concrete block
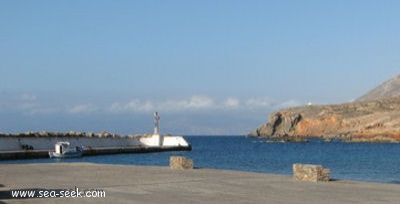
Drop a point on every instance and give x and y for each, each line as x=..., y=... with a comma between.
x=311, y=173
x=176, y=162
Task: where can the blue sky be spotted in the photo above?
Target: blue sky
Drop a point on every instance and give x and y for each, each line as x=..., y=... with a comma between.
x=208, y=67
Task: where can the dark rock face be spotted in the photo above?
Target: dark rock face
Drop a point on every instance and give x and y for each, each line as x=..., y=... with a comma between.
x=282, y=123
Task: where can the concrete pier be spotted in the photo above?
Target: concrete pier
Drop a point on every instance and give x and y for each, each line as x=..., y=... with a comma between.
x=32, y=154
x=147, y=184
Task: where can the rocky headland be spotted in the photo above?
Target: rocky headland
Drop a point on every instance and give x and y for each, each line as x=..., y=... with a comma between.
x=375, y=117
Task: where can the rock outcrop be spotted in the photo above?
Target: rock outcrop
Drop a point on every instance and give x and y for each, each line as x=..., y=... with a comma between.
x=358, y=121
x=373, y=117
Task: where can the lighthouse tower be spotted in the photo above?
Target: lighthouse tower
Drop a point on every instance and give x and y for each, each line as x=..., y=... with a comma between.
x=156, y=134
x=156, y=124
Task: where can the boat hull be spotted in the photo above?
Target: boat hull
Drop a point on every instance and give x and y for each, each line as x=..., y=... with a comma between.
x=74, y=154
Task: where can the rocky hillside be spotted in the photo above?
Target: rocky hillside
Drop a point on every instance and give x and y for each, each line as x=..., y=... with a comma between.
x=373, y=117
x=374, y=120
x=388, y=89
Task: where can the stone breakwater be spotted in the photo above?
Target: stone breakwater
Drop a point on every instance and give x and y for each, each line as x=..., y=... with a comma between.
x=69, y=134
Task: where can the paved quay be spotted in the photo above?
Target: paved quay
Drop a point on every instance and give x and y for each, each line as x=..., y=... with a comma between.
x=149, y=184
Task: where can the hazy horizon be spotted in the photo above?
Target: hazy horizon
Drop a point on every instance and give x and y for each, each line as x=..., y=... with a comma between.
x=209, y=67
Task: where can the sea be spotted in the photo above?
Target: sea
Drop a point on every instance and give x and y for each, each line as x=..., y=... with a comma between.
x=371, y=162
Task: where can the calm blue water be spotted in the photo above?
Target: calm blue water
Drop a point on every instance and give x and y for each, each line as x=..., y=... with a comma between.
x=375, y=162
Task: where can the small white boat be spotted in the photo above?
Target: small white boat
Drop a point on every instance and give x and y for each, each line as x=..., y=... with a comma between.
x=63, y=150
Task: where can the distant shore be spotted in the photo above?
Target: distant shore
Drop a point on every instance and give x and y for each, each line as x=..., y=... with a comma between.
x=149, y=184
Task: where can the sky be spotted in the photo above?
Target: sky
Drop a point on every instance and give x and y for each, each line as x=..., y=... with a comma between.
x=214, y=67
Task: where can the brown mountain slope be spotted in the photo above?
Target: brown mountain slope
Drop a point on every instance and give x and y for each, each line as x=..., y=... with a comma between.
x=387, y=89
x=376, y=120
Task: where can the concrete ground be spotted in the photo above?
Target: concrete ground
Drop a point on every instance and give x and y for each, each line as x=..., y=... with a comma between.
x=145, y=184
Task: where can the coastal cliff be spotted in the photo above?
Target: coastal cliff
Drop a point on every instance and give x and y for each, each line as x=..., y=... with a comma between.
x=372, y=120
x=373, y=117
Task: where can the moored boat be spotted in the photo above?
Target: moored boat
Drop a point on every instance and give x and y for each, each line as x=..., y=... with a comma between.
x=63, y=150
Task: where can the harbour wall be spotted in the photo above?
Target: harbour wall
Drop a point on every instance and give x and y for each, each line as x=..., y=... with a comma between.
x=170, y=141
x=46, y=143
x=37, y=145
x=164, y=141
x=32, y=154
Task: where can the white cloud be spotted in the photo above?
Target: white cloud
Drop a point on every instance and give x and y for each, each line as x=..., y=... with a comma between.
x=28, y=97
x=198, y=102
x=147, y=106
x=34, y=108
x=115, y=107
x=193, y=103
x=290, y=103
x=26, y=106
x=30, y=104
x=133, y=105
x=82, y=108
x=258, y=102
x=232, y=103
x=43, y=110
x=27, y=103
x=136, y=105
x=240, y=110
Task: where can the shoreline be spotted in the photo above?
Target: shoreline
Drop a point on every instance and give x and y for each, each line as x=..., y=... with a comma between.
x=54, y=161
x=160, y=184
